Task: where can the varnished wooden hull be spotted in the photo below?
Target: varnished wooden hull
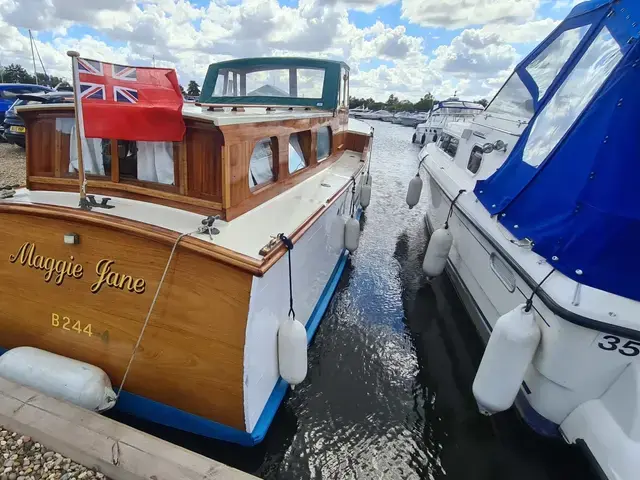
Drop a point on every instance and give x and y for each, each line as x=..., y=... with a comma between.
x=191, y=355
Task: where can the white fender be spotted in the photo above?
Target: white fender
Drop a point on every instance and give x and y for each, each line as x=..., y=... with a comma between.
x=414, y=191
x=510, y=350
x=292, y=351
x=336, y=233
x=352, y=234
x=368, y=179
x=61, y=377
x=437, y=251
x=365, y=196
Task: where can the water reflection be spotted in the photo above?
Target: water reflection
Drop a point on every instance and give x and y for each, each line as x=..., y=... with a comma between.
x=391, y=367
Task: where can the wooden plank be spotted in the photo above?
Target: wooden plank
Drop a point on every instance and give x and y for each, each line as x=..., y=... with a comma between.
x=93, y=440
x=204, y=161
x=115, y=162
x=57, y=153
x=41, y=141
x=192, y=353
x=183, y=169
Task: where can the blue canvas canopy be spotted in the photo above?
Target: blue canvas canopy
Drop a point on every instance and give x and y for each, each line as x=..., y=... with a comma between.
x=570, y=184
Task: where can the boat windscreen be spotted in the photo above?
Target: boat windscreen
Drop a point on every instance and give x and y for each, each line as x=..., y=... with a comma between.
x=269, y=82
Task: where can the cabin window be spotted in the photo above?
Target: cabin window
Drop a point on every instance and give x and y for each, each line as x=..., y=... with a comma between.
x=269, y=82
x=546, y=66
x=297, y=157
x=146, y=161
x=475, y=159
x=96, y=152
x=324, y=143
x=261, y=164
x=449, y=144
x=572, y=97
x=513, y=99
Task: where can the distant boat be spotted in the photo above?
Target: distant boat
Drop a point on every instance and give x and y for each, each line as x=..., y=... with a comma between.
x=442, y=113
x=193, y=237
x=358, y=111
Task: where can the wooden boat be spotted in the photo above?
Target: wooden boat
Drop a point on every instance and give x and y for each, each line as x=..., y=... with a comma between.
x=79, y=283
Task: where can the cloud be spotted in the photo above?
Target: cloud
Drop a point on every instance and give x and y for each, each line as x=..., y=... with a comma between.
x=474, y=52
x=189, y=36
x=452, y=14
x=49, y=14
x=530, y=32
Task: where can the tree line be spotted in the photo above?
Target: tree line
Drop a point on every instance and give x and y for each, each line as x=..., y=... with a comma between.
x=15, y=73
x=394, y=104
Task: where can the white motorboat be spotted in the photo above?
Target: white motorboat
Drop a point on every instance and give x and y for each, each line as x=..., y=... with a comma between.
x=358, y=111
x=413, y=119
x=377, y=115
x=443, y=113
x=535, y=209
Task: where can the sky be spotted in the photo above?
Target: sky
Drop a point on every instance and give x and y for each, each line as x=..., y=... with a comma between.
x=402, y=47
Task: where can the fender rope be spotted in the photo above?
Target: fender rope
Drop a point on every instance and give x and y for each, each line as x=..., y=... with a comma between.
x=453, y=203
x=289, y=244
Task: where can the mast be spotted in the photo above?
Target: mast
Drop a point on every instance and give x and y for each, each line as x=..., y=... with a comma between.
x=33, y=57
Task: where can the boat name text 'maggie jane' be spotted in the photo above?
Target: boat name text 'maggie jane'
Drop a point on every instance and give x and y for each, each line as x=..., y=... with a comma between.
x=26, y=256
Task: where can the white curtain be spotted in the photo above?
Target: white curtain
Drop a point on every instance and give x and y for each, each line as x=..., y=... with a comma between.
x=91, y=152
x=155, y=162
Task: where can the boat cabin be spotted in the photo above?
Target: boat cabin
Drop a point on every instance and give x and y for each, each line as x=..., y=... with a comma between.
x=268, y=148
x=260, y=127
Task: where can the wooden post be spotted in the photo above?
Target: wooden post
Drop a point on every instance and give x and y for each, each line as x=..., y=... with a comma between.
x=84, y=204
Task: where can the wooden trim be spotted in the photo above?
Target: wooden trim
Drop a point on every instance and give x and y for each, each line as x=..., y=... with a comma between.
x=139, y=229
x=115, y=162
x=182, y=160
x=57, y=158
x=127, y=187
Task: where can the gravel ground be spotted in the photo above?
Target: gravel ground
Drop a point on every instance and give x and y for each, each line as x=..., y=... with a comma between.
x=12, y=165
x=22, y=459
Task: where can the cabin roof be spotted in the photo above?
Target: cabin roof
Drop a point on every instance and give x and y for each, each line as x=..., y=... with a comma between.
x=289, y=61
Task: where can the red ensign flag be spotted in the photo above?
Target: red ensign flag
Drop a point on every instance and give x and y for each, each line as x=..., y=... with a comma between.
x=129, y=103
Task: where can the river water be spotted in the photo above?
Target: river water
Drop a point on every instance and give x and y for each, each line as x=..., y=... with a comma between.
x=388, y=394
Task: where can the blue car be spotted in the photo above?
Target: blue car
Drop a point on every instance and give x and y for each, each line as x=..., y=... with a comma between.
x=9, y=93
x=14, y=128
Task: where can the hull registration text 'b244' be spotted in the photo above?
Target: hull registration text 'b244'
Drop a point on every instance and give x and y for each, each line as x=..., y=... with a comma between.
x=59, y=269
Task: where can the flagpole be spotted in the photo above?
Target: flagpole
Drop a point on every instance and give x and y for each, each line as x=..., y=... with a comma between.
x=84, y=204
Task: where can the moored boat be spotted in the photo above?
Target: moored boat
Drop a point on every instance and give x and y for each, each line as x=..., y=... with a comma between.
x=535, y=217
x=176, y=276
x=443, y=113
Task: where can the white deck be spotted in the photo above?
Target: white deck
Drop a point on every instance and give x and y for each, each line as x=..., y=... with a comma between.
x=246, y=234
